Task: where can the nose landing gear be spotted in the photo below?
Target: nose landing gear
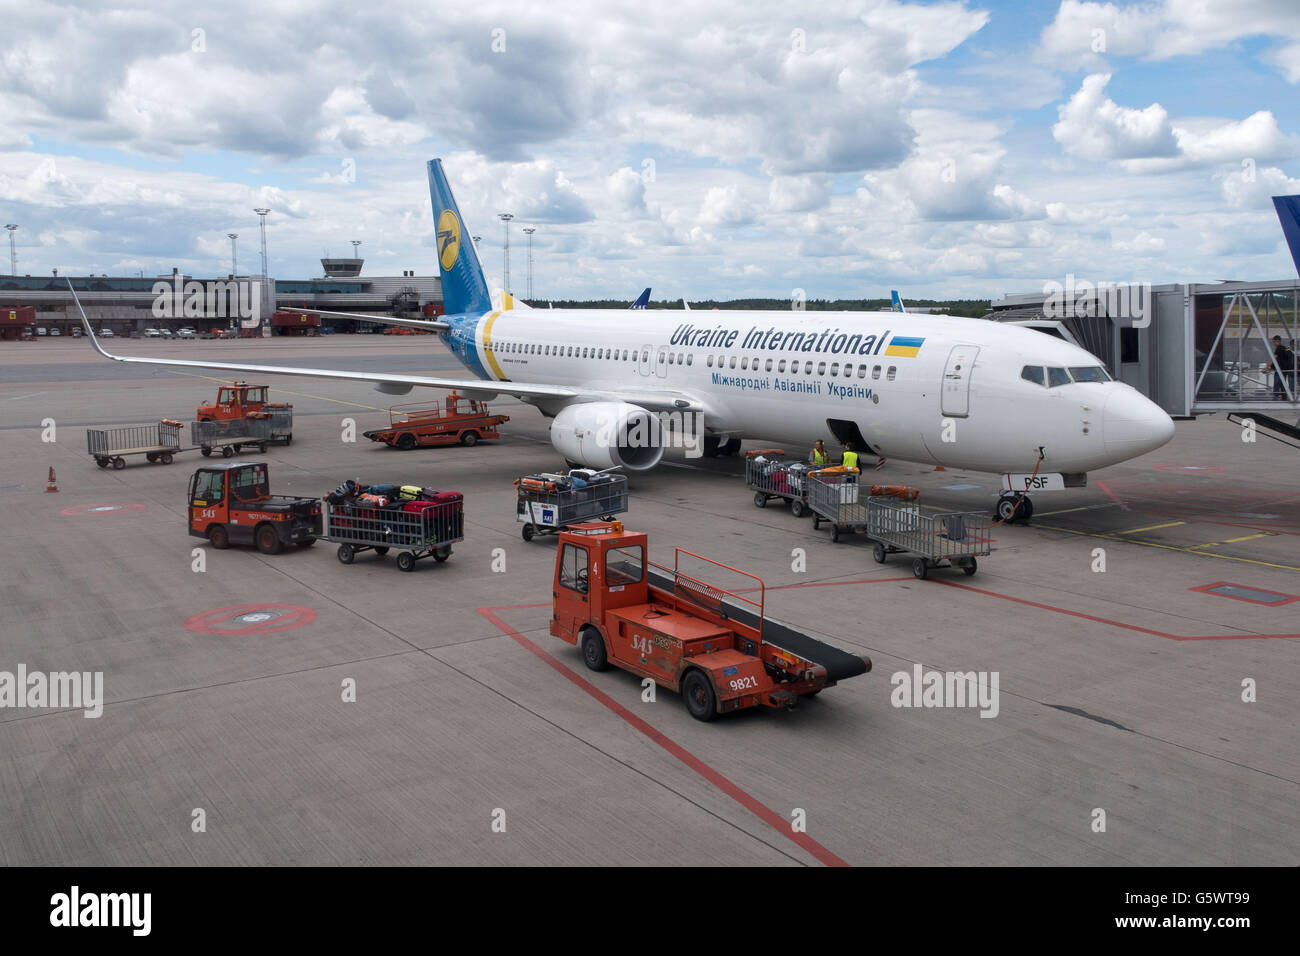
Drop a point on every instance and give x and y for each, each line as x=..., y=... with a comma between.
x=1012, y=508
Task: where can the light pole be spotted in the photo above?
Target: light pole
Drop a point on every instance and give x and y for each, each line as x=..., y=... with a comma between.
x=355, y=244
x=232, y=236
x=261, y=212
x=13, y=250
x=505, y=218
x=529, y=232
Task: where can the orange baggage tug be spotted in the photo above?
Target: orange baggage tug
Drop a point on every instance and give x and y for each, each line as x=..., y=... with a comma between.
x=717, y=647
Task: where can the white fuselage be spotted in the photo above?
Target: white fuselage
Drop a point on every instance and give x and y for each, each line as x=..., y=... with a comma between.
x=955, y=396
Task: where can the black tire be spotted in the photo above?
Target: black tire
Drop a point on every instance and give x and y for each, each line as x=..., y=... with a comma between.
x=835, y=533
x=405, y=441
x=920, y=568
x=711, y=446
x=527, y=532
x=593, y=651
x=219, y=537
x=469, y=439
x=119, y=463
x=288, y=439
x=1027, y=508
x=381, y=549
x=970, y=569
x=697, y=692
x=345, y=554
x=798, y=508
x=151, y=457
x=228, y=452
x=102, y=462
x=306, y=542
x=268, y=539
x=760, y=500
x=205, y=451
x=879, y=553
x=442, y=554
x=406, y=561
x=731, y=446
x=166, y=458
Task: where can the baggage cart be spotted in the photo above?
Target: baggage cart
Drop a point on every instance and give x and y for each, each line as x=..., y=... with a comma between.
x=281, y=427
x=839, y=500
x=952, y=539
x=158, y=442
x=769, y=475
x=357, y=527
x=543, y=511
x=232, y=435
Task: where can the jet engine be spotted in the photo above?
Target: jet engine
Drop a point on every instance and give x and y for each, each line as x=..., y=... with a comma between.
x=605, y=434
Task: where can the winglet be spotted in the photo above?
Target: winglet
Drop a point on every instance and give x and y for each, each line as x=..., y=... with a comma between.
x=1288, y=213
x=897, y=301
x=86, y=322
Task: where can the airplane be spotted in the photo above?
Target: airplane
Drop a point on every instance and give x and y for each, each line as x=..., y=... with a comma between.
x=642, y=301
x=967, y=394
x=896, y=301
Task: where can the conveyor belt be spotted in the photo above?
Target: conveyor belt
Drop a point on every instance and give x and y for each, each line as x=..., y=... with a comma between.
x=840, y=665
x=1267, y=423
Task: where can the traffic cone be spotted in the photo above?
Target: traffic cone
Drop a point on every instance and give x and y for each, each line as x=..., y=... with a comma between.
x=51, y=487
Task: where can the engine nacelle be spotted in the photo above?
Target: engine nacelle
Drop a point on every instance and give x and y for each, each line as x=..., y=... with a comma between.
x=605, y=434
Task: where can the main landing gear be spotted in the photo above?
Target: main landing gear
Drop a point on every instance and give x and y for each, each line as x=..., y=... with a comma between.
x=1008, y=512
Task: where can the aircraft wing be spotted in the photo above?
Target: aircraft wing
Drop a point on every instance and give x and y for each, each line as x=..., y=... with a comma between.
x=426, y=324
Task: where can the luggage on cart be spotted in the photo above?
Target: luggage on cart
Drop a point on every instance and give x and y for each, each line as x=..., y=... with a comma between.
x=548, y=503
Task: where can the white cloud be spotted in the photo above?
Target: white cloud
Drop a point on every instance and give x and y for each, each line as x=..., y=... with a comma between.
x=1093, y=126
x=1253, y=188
x=725, y=206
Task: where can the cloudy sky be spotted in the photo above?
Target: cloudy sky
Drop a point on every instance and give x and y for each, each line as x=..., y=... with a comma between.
x=709, y=149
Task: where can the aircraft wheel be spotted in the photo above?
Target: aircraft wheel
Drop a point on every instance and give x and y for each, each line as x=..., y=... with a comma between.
x=697, y=691
x=1026, y=508
x=731, y=447
x=1006, y=510
x=711, y=445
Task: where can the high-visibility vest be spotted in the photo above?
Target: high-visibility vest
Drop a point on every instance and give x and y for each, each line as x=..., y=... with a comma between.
x=850, y=459
x=818, y=457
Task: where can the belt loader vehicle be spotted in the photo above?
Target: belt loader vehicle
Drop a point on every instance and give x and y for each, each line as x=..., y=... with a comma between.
x=717, y=647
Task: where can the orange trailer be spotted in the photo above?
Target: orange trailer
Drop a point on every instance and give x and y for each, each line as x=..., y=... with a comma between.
x=455, y=420
x=717, y=647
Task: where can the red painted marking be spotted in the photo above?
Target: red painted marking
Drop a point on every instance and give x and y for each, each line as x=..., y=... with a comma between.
x=1111, y=495
x=768, y=816
x=293, y=618
x=1209, y=589
x=114, y=508
x=1104, y=620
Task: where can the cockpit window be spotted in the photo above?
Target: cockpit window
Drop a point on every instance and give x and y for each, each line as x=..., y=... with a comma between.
x=1033, y=373
x=1089, y=373
x=1057, y=376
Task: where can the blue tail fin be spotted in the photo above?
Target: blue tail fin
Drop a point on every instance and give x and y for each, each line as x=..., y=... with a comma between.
x=1288, y=213
x=896, y=300
x=463, y=287
x=642, y=301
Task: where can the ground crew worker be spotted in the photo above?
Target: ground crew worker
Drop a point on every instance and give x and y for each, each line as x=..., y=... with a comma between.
x=850, y=456
x=818, y=457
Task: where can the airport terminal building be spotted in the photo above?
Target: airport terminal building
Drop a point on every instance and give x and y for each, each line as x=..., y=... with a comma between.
x=129, y=305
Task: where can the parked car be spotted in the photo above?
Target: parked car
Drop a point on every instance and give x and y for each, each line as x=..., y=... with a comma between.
x=55, y=332
x=41, y=330
x=167, y=333
x=151, y=333
x=186, y=333
x=106, y=333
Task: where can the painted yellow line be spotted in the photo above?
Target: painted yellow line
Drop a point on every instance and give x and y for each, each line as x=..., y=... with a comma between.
x=1153, y=527
x=1066, y=511
x=1168, y=547
x=1249, y=537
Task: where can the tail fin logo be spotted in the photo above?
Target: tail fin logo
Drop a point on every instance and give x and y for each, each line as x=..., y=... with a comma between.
x=448, y=239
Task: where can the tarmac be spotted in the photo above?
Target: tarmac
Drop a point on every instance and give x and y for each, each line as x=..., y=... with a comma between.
x=1142, y=718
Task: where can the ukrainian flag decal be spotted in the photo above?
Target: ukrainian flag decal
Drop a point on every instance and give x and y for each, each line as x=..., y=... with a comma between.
x=904, y=347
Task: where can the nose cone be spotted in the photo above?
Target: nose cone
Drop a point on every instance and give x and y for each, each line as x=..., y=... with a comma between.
x=1133, y=425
